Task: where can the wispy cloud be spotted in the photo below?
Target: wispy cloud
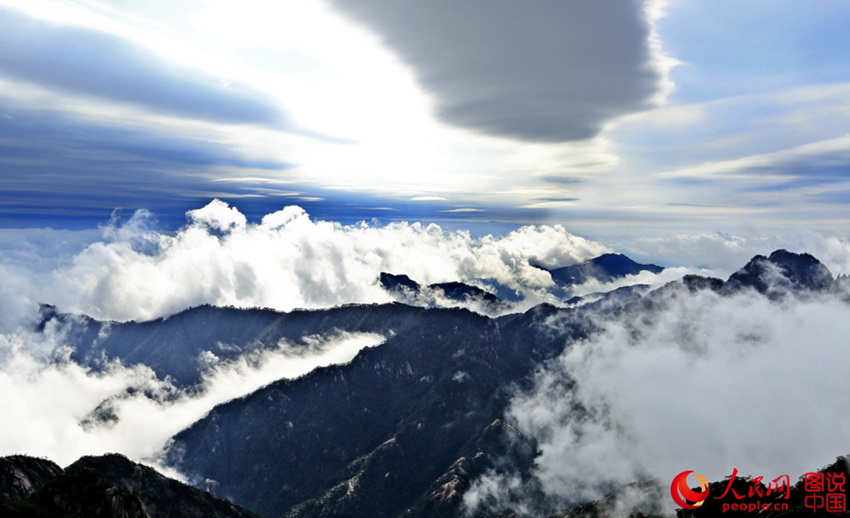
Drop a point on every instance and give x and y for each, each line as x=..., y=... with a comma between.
x=87, y=62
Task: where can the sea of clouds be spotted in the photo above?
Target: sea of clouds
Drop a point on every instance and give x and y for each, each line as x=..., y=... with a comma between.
x=704, y=382
x=131, y=271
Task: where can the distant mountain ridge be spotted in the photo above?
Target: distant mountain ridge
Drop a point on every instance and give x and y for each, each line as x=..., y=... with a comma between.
x=441, y=294
x=605, y=268
x=173, y=346
x=774, y=276
x=782, y=270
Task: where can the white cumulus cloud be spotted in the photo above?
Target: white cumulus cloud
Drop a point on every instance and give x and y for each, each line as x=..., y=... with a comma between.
x=286, y=261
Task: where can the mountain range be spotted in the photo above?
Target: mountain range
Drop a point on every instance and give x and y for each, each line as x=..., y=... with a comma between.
x=403, y=429
x=498, y=299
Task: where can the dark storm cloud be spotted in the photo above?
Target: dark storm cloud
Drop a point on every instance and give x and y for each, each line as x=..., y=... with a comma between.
x=542, y=71
x=92, y=63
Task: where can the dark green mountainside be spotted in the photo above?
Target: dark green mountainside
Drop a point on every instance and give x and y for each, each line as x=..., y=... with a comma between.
x=404, y=424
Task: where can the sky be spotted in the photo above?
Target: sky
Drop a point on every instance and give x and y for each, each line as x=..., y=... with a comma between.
x=620, y=120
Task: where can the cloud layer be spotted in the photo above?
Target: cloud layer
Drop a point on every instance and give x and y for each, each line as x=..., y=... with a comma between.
x=56, y=403
x=130, y=269
x=702, y=382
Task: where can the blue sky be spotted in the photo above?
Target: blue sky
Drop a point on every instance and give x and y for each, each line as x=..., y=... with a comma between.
x=615, y=119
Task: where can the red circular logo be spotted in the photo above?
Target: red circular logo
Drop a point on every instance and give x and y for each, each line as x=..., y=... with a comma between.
x=684, y=495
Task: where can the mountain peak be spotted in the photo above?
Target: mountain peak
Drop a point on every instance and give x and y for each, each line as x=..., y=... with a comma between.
x=605, y=268
x=397, y=283
x=441, y=294
x=782, y=269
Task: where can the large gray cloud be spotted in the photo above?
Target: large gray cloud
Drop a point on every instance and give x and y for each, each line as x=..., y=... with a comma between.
x=543, y=71
x=88, y=62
